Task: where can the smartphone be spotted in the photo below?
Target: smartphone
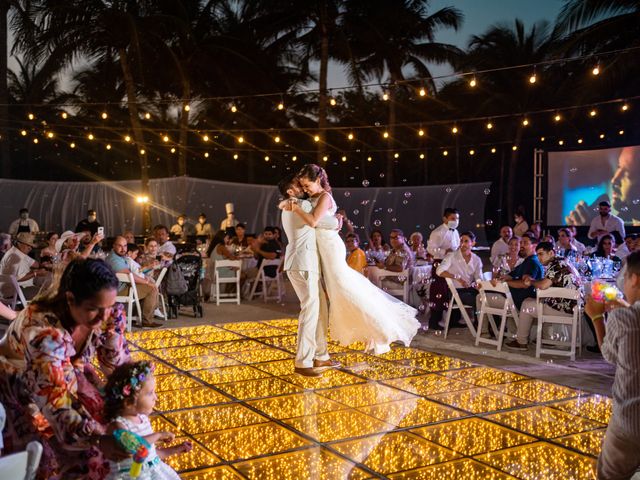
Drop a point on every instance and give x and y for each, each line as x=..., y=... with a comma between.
x=101, y=231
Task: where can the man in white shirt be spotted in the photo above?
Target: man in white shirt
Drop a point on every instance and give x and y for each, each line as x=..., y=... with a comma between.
x=579, y=246
x=23, y=224
x=161, y=234
x=501, y=246
x=606, y=223
x=627, y=247
x=17, y=262
x=443, y=240
x=464, y=267
x=230, y=220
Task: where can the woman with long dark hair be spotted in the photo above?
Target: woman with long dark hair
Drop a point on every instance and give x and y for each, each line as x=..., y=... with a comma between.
x=47, y=379
x=359, y=310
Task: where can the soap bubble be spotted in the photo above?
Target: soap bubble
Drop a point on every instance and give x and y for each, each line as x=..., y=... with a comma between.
x=635, y=201
x=389, y=210
x=448, y=189
x=382, y=175
x=407, y=194
x=347, y=193
x=573, y=169
x=488, y=222
x=432, y=226
x=377, y=223
x=487, y=191
x=356, y=211
x=394, y=219
x=365, y=183
x=402, y=278
x=364, y=202
x=624, y=209
x=405, y=202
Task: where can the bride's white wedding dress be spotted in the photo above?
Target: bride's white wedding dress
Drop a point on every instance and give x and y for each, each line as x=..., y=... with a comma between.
x=358, y=310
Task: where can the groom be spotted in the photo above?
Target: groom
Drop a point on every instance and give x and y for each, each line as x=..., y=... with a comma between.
x=303, y=269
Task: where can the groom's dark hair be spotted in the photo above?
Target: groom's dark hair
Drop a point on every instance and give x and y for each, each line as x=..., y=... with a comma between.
x=285, y=184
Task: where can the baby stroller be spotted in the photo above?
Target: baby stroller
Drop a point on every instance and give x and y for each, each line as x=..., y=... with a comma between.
x=190, y=265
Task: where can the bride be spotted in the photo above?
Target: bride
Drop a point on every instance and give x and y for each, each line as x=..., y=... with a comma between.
x=359, y=311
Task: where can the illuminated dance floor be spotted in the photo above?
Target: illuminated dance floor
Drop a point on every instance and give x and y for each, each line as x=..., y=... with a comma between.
x=231, y=390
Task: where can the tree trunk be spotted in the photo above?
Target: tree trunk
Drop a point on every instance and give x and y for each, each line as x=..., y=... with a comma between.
x=184, y=128
x=511, y=182
x=324, y=68
x=138, y=135
x=5, y=147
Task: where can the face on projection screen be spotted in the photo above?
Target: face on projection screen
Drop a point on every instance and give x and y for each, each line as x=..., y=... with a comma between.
x=578, y=181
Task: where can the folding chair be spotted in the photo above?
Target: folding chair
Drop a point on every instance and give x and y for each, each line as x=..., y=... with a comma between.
x=267, y=281
x=159, y=280
x=456, y=303
x=22, y=465
x=130, y=298
x=508, y=309
x=573, y=322
x=18, y=295
x=403, y=288
x=227, y=297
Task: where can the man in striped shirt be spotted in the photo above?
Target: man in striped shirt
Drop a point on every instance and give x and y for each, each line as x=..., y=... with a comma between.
x=620, y=345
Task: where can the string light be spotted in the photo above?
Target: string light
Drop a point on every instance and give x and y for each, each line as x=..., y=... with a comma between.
x=602, y=136
x=542, y=139
x=561, y=142
x=525, y=122
x=23, y=133
x=266, y=158
x=557, y=118
x=445, y=153
x=473, y=82
x=173, y=150
x=350, y=136
x=276, y=139
x=127, y=138
x=621, y=132
x=108, y=147
x=493, y=150
x=421, y=133
x=472, y=152
x=187, y=108
x=396, y=155
x=385, y=134
x=624, y=107
x=50, y=135
x=294, y=158
x=422, y=92
x=333, y=102
x=281, y=105
x=344, y=158
x=165, y=139
x=234, y=109
x=206, y=154
x=35, y=140
x=316, y=138
x=325, y=158
x=489, y=125
x=142, y=199
x=593, y=113
x=104, y=115
x=514, y=148
x=205, y=138
x=579, y=140
x=596, y=70
x=454, y=130
x=533, y=78
x=72, y=145
x=147, y=116
x=422, y=156
x=385, y=96
x=90, y=136
x=235, y=156
x=31, y=116
x=142, y=151
x=64, y=115
x=240, y=139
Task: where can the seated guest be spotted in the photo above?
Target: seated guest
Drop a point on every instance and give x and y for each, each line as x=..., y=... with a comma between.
x=564, y=246
x=218, y=251
x=5, y=243
x=530, y=268
x=377, y=248
x=606, y=245
x=464, y=267
x=27, y=271
x=161, y=234
x=147, y=290
x=356, y=257
x=501, y=246
x=182, y=229
x=49, y=380
x=399, y=257
x=23, y=224
x=417, y=246
x=536, y=229
x=129, y=236
x=628, y=247
x=558, y=274
x=203, y=229
x=89, y=224
x=240, y=240
x=265, y=247
x=68, y=245
x=277, y=233
x=507, y=262
x=580, y=247
x=132, y=254
x=606, y=223
x=50, y=250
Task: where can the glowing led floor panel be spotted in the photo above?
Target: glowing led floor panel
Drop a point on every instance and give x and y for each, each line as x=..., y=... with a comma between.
x=409, y=414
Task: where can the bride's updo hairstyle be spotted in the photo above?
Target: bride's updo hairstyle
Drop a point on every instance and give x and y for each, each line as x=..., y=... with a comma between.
x=314, y=172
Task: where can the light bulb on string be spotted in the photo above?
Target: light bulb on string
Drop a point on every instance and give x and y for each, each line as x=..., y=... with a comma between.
x=454, y=130
x=472, y=152
x=514, y=148
x=593, y=113
x=325, y=158
x=422, y=92
x=280, y=104
x=557, y=117
x=385, y=134
x=23, y=133
x=147, y=116
x=473, y=83
x=64, y=115
x=421, y=133
x=31, y=116
x=621, y=132
x=493, y=150
x=421, y=156
x=333, y=102
x=235, y=156
x=624, y=107
x=445, y=153
x=294, y=158
x=316, y=138
x=90, y=136
x=108, y=146
x=35, y=140
x=596, y=70
x=602, y=136
x=396, y=155
x=206, y=154
x=127, y=138
x=369, y=159
x=344, y=158
x=233, y=108
x=489, y=125
x=240, y=139
x=560, y=142
x=533, y=78
x=104, y=115
x=385, y=96
x=276, y=139
x=580, y=140
x=72, y=145
x=187, y=108
x=50, y=135
x=173, y=149
x=142, y=151
x=525, y=122
x=165, y=138
x=542, y=139
x=205, y=138
x=350, y=136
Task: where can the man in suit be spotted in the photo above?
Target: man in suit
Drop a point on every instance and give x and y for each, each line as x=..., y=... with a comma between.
x=303, y=269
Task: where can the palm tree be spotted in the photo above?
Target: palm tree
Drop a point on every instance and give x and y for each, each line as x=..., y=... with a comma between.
x=389, y=36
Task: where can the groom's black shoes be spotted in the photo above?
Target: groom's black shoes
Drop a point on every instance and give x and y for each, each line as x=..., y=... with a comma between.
x=308, y=372
x=324, y=364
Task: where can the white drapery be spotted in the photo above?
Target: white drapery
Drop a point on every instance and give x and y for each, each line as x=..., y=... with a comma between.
x=59, y=206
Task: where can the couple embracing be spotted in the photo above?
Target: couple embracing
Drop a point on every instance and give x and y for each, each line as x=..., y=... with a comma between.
x=356, y=310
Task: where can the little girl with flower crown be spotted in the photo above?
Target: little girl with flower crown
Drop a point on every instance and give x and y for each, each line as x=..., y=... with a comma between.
x=130, y=398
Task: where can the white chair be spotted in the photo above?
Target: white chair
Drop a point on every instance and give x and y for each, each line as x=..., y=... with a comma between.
x=163, y=304
x=130, y=298
x=403, y=288
x=507, y=310
x=22, y=465
x=268, y=282
x=573, y=322
x=17, y=296
x=219, y=280
x=456, y=303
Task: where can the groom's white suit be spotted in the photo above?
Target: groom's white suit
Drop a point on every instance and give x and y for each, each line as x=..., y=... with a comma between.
x=302, y=265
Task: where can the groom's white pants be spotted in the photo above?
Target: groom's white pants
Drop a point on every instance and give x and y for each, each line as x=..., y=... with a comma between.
x=313, y=320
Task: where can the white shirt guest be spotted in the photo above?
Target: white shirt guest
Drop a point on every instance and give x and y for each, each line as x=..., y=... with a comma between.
x=444, y=238
x=23, y=224
x=606, y=223
x=161, y=234
x=18, y=262
x=501, y=246
x=465, y=271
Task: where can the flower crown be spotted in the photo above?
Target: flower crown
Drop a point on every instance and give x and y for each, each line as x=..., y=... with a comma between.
x=128, y=387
